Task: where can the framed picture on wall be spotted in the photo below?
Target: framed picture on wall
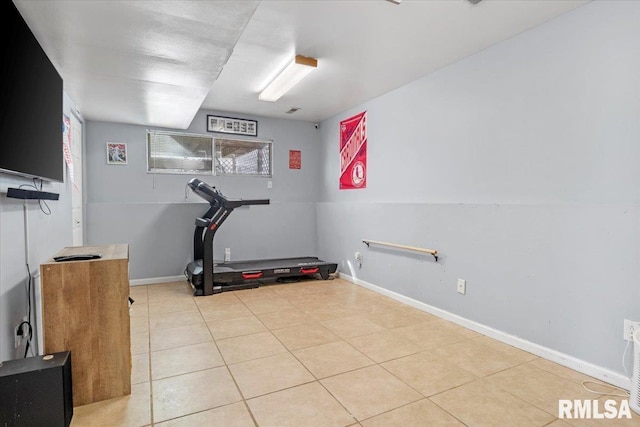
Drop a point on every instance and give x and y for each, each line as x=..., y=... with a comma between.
x=116, y=153
x=232, y=125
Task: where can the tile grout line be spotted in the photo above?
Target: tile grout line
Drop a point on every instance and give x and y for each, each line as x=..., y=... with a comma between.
x=399, y=379
x=343, y=340
x=312, y=375
x=323, y=386
x=487, y=377
x=445, y=410
x=288, y=350
x=243, y=400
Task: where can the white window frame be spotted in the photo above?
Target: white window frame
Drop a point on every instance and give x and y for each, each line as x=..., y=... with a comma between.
x=215, y=160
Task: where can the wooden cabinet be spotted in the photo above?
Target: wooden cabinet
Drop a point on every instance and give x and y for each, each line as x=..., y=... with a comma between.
x=85, y=310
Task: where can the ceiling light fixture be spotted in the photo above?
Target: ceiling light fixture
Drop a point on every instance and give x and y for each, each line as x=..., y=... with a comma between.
x=292, y=74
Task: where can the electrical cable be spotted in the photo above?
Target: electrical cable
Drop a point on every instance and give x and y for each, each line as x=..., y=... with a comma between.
x=624, y=356
x=624, y=366
x=44, y=207
x=29, y=337
x=42, y=203
x=607, y=393
x=21, y=330
x=28, y=321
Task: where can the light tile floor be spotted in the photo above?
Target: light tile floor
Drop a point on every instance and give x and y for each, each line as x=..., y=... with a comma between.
x=324, y=353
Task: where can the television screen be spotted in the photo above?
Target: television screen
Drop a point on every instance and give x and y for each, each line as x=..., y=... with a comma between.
x=31, y=104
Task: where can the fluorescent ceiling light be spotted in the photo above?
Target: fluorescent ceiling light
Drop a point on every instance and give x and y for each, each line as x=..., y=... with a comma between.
x=292, y=74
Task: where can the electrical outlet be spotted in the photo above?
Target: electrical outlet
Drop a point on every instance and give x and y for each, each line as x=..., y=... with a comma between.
x=358, y=257
x=17, y=335
x=462, y=286
x=227, y=254
x=629, y=329
x=20, y=332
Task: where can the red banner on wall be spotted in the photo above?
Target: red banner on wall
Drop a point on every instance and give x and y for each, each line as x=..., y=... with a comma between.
x=295, y=159
x=353, y=152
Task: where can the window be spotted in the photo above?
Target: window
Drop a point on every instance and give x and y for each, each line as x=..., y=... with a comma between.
x=170, y=152
x=242, y=157
x=173, y=152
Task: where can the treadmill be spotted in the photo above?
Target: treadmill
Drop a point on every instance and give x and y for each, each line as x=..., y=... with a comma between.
x=208, y=277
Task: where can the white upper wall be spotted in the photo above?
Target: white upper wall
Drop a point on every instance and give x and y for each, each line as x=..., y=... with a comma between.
x=550, y=115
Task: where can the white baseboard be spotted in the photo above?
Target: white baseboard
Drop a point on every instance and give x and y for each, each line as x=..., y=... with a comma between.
x=155, y=280
x=571, y=362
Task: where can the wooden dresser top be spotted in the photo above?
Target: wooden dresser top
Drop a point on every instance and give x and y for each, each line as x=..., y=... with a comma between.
x=107, y=252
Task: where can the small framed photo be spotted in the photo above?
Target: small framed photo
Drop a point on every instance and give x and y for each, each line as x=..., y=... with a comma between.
x=232, y=125
x=116, y=153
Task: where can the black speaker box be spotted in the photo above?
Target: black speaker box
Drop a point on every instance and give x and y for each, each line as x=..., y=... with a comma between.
x=36, y=391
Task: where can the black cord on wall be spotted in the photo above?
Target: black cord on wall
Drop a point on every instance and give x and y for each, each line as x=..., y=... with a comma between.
x=44, y=207
x=25, y=328
x=21, y=327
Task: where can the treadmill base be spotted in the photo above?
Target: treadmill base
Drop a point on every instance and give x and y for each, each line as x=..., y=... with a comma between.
x=228, y=287
x=199, y=291
x=251, y=274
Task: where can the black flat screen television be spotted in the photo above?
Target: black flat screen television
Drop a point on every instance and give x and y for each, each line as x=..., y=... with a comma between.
x=31, y=104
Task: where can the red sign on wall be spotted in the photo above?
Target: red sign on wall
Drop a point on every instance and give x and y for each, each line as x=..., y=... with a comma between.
x=353, y=152
x=295, y=159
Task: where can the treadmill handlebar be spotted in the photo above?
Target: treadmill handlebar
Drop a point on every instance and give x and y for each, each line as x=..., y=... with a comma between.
x=214, y=196
x=255, y=202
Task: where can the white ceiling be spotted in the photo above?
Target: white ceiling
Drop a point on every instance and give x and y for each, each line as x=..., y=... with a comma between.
x=155, y=63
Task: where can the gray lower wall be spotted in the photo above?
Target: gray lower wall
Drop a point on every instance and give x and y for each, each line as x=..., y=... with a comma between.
x=155, y=213
x=160, y=235
x=552, y=274
x=520, y=166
